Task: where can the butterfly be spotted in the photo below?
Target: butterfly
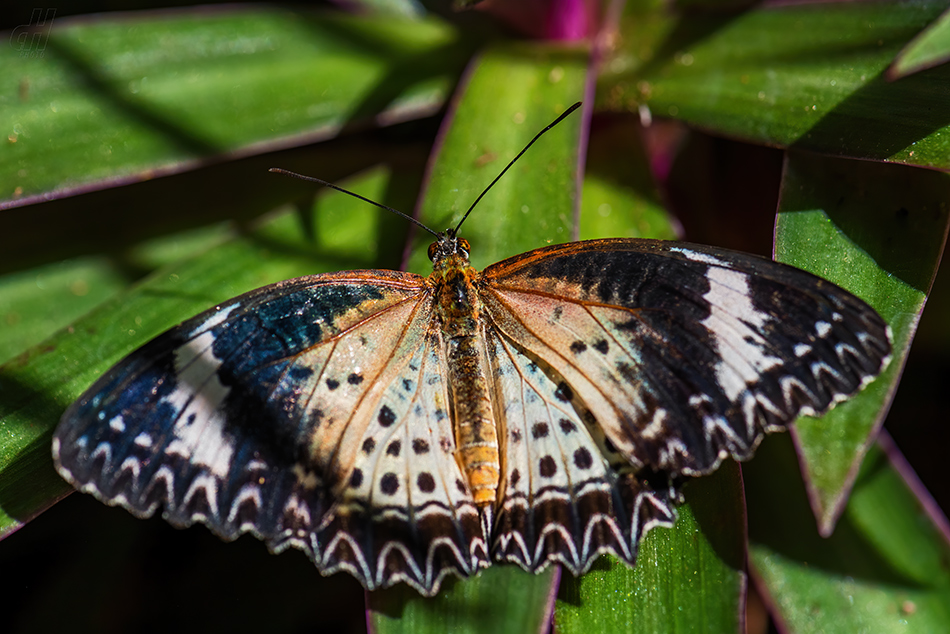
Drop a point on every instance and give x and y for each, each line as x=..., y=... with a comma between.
x=403, y=428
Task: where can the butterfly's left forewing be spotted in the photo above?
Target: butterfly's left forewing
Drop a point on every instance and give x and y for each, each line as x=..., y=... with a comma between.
x=623, y=364
x=251, y=418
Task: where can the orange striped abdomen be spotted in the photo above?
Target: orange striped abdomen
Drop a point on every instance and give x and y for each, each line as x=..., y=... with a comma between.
x=476, y=438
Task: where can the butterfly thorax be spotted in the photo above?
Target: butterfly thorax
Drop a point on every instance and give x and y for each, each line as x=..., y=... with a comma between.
x=455, y=287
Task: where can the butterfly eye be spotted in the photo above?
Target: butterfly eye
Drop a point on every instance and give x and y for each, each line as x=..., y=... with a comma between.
x=464, y=247
x=432, y=249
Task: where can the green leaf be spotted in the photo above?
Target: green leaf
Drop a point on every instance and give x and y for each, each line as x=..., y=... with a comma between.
x=883, y=570
x=112, y=222
x=501, y=599
x=930, y=48
x=809, y=76
x=687, y=579
x=877, y=230
x=36, y=302
x=403, y=8
x=620, y=198
x=512, y=92
x=147, y=95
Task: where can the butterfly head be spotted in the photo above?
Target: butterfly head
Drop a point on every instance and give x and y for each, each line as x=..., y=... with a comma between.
x=449, y=248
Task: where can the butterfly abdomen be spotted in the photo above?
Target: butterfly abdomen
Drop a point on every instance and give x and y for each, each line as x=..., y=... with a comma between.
x=476, y=435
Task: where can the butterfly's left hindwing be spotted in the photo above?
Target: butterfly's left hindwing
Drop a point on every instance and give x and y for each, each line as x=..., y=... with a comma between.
x=686, y=354
x=242, y=418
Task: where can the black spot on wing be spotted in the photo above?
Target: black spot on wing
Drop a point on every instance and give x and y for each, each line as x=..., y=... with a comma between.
x=420, y=446
x=389, y=483
x=425, y=482
x=300, y=373
x=583, y=459
x=563, y=392
x=386, y=416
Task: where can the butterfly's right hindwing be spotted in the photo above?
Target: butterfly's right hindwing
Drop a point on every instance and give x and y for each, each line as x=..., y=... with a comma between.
x=566, y=497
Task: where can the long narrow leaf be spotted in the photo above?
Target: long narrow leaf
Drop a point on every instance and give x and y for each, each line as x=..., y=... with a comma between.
x=879, y=231
x=512, y=92
x=879, y=572
x=809, y=76
x=147, y=94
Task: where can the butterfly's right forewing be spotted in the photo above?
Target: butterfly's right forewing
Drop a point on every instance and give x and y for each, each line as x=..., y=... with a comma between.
x=253, y=417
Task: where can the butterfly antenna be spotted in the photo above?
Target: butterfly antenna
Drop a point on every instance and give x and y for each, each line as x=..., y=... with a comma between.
x=278, y=170
x=530, y=143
